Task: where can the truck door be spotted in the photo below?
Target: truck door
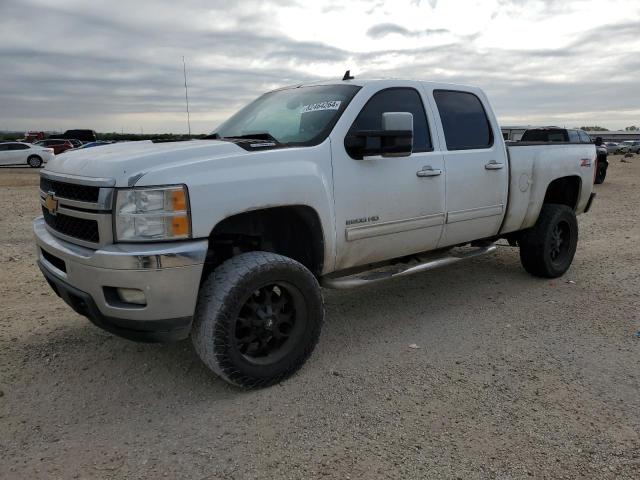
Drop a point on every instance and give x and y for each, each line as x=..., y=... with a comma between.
x=477, y=168
x=386, y=207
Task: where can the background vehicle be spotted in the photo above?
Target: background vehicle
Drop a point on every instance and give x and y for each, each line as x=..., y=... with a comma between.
x=228, y=239
x=76, y=143
x=18, y=153
x=33, y=136
x=603, y=162
x=631, y=146
x=563, y=135
x=57, y=145
x=513, y=133
x=95, y=144
x=612, y=147
x=82, y=135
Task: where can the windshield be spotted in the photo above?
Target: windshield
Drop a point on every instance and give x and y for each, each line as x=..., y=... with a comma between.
x=293, y=116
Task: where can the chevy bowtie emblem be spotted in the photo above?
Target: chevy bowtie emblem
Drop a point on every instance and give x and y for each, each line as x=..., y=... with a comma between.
x=51, y=203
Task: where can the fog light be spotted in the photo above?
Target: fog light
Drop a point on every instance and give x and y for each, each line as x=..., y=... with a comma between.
x=132, y=295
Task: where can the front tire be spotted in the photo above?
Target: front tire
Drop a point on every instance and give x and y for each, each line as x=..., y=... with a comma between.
x=34, y=161
x=258, y=319
x=547, y=249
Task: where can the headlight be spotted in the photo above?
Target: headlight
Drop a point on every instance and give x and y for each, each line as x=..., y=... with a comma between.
x=152, y=214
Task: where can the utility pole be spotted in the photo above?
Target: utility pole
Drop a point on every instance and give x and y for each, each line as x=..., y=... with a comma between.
x=186, y=93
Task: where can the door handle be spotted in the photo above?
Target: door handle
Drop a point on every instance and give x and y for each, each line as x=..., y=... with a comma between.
x=428, y=171
x=493, y=165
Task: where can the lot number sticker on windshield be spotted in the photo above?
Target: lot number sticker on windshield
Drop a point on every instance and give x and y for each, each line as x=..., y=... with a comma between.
x=316, y=107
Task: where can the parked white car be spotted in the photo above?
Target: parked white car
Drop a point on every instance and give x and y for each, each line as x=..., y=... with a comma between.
x=18, y=153
x=613, y=147
x=341, y=184
x=631, y=146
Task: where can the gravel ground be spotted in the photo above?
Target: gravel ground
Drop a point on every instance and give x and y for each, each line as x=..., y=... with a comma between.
x=514, y=377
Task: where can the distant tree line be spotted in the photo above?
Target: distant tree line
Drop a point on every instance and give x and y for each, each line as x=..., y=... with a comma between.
x=131, y=137
x=594, y=128
x=597, y=128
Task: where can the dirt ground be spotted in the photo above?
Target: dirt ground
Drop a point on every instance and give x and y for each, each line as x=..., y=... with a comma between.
x=514, y=377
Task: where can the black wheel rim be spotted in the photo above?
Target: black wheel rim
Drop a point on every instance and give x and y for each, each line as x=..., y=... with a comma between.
x=270, y=323
x=560, y=239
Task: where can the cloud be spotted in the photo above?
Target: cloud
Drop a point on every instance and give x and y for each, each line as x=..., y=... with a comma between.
x=383, y=29
x=108, y=66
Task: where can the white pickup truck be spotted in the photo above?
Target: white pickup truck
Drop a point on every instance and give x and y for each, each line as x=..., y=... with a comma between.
x=341, y=184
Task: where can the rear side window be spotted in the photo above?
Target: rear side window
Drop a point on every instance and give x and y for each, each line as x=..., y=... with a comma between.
x=464, y=120
x=4, y=147
x=396, y=100
x=18, y=146
x=573, y=136
x=584, y=138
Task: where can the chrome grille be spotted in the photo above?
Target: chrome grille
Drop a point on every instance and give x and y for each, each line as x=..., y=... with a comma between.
x=81, y=228
x=82, y=193
x=77, y=209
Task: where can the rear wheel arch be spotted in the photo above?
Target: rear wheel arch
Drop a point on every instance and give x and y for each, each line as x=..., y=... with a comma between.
x=294, y=231
x=564, y=191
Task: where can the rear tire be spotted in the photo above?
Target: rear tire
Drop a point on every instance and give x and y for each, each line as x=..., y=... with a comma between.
x=34, y=161
x=547, y=249
x=258, y=319
x=601, y=174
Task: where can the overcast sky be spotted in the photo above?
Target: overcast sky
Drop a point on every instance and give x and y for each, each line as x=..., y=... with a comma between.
x=117, y=65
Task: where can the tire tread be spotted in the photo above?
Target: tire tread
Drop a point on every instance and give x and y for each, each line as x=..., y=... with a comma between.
x=223, y=288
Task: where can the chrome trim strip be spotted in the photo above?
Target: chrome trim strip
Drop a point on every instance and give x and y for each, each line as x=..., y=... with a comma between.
x=395, y=226
x=86, y=181
x=71, y=203
x=474, y=213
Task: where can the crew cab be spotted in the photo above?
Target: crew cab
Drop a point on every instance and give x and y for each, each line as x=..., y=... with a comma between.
x=228, y=239
x=564, y=135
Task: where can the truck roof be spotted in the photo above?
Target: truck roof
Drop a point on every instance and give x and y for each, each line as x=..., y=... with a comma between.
x=361, y=82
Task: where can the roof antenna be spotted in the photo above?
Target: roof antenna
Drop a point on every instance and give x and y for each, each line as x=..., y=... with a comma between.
x=347, y=76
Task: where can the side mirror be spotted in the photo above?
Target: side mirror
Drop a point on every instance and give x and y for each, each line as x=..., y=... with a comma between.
x=394, y=140
x=598, y=141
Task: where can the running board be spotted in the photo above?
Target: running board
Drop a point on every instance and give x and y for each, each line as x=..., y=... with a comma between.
x=389, y=272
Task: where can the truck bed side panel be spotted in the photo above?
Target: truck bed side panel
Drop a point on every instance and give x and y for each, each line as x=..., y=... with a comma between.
x=533, y=167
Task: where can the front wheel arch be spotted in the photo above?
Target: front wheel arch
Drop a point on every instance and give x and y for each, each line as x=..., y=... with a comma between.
x=294, y=231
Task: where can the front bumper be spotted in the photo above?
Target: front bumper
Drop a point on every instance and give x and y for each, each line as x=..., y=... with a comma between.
x=168, y=273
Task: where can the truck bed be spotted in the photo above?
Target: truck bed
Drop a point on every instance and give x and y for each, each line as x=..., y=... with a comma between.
x=532, y=167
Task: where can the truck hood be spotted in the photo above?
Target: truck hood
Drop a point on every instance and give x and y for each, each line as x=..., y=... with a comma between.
x=127, y=162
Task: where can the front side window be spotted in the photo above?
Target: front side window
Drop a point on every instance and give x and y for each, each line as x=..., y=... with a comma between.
x=293, y=116
x=396, y=100
x=464, y=120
